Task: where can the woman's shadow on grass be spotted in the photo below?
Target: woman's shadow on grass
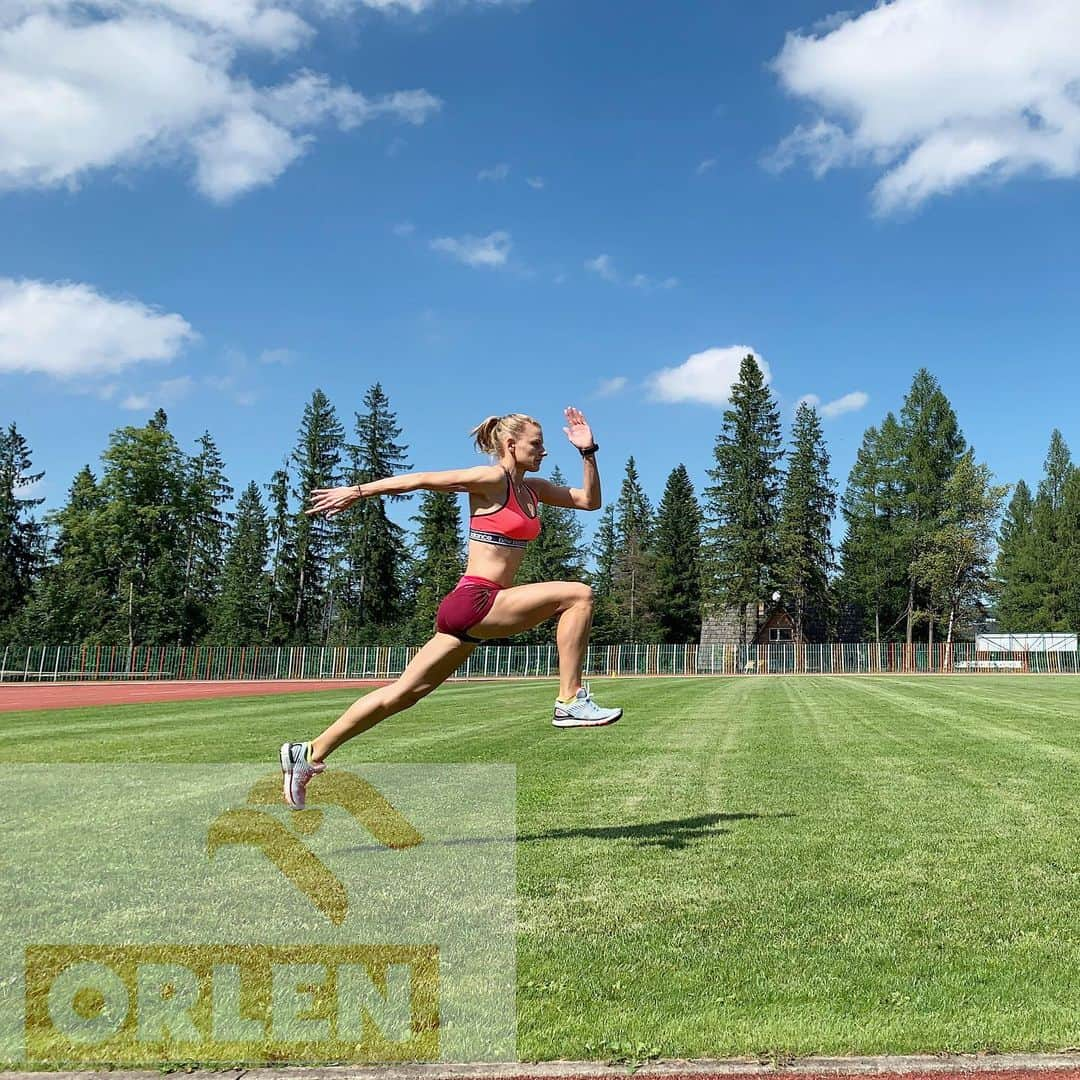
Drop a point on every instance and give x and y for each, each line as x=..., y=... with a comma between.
x=672, y=835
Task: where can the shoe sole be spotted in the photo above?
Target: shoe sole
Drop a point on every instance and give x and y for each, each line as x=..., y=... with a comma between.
x=572, y=722
x=286, y=775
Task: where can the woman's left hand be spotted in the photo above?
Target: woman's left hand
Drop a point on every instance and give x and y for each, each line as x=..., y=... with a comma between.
x=578, y=430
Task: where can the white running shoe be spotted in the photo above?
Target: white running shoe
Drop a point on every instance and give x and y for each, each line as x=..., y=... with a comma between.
x=297, y=769
x=583, y=712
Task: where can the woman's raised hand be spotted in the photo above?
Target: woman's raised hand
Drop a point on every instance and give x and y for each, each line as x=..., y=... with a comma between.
x=577, y=429
x=331, y=501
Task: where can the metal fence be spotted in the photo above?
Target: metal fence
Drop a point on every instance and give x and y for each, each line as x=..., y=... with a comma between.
x=87, y=662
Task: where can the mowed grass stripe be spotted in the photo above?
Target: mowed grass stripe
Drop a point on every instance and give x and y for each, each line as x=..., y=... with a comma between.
x=801, y=865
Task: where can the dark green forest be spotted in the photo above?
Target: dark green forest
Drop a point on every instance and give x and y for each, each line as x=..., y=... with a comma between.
x=154, y=544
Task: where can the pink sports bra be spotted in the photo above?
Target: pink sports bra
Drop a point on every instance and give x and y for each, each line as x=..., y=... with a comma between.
x=509, y=526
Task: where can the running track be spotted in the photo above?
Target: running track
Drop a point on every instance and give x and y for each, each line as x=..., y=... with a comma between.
x=16, y=697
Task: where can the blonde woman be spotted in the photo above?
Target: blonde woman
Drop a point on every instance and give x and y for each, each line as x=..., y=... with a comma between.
x=485, y=603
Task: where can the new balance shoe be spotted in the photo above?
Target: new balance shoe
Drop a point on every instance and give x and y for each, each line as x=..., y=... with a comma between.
x=297, y=769
x=583, y=712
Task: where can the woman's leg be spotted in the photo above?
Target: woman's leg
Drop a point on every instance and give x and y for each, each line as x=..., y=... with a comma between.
x=524, y=606
x=429, y=668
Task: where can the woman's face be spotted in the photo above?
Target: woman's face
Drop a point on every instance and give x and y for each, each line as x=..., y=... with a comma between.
x=529, y=449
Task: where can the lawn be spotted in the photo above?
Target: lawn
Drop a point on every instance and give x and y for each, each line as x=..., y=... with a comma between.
x=740, y=866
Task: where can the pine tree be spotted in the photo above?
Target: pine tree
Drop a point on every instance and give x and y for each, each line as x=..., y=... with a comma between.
x=282, y=554
x=73, y=600
x=808, y=505
x=239, y=610
x=555, y=555
x=439, y=561
x=22, y=539
x=677, y=593
x=143, y=486
x=207, y=525
x=1017, y=571
x=932, y=445
x=317, y=460
x=1049, y=540
x=1069, y=553
x=633, y=579
x=375, y=547
x=605, y=626
x=740, y=550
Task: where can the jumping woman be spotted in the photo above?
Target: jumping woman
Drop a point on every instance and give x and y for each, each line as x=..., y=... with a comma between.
x=485, y=603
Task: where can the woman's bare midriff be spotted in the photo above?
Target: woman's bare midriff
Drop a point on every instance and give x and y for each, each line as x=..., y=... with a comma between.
x=494, y=563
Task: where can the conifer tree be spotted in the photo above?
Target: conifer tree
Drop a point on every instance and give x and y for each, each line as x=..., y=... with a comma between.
x=22, y=538
x=932, y=445
x=375, y=547
x=1017, y=570
x=282, y=547
x=555, y=555
x=740, y=550
x=677, y=592
x=604, y=552
x=439, y=561
x=808, y=505
x=207, y=526
x=239, y=610
x=317, y=462
x=633, y=586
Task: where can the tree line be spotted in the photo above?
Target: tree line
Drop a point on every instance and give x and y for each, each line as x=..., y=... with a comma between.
x=156, y=548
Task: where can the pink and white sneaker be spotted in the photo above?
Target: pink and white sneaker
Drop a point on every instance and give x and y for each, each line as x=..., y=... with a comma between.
x=297, y=769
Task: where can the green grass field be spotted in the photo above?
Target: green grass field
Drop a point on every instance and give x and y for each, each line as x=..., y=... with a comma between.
x=740, y=866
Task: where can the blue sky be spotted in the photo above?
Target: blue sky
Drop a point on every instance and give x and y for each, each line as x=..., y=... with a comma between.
x=513, y=206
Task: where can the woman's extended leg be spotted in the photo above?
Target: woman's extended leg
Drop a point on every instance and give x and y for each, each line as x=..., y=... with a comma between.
x=429, y=668
x=525, y=606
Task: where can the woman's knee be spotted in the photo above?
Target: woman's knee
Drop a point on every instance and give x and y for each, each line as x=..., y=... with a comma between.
x=579, y=594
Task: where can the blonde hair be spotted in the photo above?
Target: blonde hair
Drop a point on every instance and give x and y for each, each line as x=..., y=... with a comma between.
x=490, y=433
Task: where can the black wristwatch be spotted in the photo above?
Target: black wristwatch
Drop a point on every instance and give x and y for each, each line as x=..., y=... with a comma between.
x=588, y=451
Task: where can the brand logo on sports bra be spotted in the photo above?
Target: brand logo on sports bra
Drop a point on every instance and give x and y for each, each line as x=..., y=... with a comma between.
x=495, y=538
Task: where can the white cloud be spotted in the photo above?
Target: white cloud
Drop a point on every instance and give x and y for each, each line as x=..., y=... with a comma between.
x=852, y=402
x=705, y=377
x=538, y=183
x=416, y=7
x=495, y=173
x=604, y=266
x=939, y=94
x=705, y=166
x=111, y=84
x=166, y=393
x=479, y=251
x=611, y=387
x=67, y=330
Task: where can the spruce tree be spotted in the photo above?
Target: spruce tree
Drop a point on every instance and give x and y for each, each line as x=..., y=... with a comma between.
x=741, y=507
x=633, y=586
x=239, y=610
x=207, y=525
x=677, y=593
x=439, y=561
x=932, y=445
x=604, y=552
x=1017, y=571
x=73, y=600
x=144, y=487
x=807, y=508
x=375, y=547
x=555, y=555
x=317, y=460
x=22, y=539
x=281, y=522
x=1050, y=541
